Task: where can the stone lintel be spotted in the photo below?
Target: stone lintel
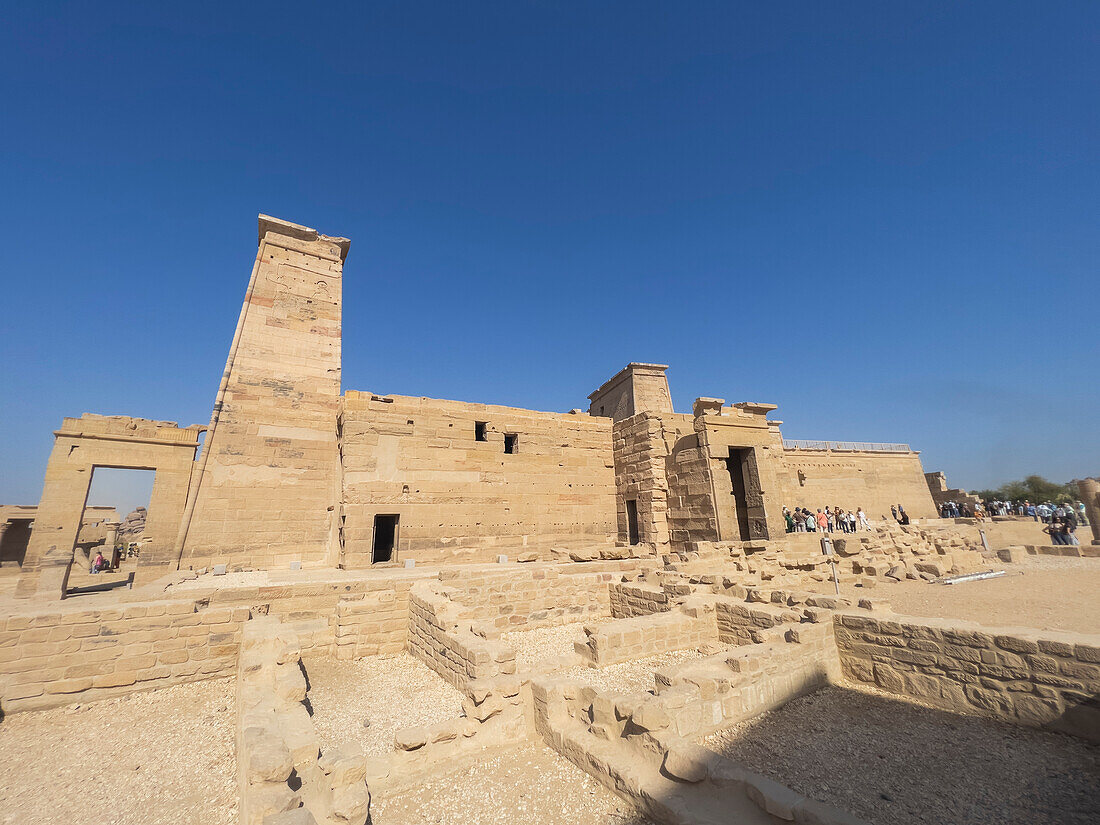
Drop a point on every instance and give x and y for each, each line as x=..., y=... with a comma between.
x=755, y=408
x=704, y=405
x=278, y=226
x=126, y=428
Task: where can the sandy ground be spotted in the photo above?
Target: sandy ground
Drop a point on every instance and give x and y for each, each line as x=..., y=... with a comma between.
x=895, y=763
x=528, y=785
x=532, y=646
x=390, y=692
x=1056, y=593
x=159, y=758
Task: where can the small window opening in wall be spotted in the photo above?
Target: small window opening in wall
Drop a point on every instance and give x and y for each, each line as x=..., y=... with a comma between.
x=480, y=430
x=385, y=538
x=601, y=410
x=511, y=441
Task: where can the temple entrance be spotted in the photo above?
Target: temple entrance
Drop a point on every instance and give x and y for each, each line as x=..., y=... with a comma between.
x=112, y=529
x=632, y=521
x=737, y=464
x=385, y=539
x=100, y=445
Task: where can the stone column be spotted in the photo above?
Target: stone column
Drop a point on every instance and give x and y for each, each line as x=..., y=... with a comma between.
x=1090, y=494
x=109, y=543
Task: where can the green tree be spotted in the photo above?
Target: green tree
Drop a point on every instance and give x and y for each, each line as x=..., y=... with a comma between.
x=1035, y=489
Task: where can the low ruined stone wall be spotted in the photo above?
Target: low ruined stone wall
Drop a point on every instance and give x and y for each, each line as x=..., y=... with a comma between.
x=621, y=640
x=1039, y=678
x=441, y=640
x=518, y=598
x=637, y=599
x=745, y=623
x=50, y=659
x=280, y=766
x=717, y=691
x=187, y=634
x=375, y=624
x=325, y=614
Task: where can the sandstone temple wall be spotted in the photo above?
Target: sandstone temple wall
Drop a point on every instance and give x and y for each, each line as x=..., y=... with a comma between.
x=851, y=479
x=269, y=484
x=459, y=498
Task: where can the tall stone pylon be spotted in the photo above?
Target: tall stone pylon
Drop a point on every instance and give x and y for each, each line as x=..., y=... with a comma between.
x=265, y=488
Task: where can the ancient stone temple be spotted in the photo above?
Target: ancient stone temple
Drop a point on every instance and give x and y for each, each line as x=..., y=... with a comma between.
x=367, y=605
x=292, y=471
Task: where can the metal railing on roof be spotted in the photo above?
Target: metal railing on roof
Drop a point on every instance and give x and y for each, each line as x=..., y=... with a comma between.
x=858, y=446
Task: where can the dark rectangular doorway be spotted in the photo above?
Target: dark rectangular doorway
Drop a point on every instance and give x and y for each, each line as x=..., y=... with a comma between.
x=385, y=539
x=632, y=520
x=736, y=466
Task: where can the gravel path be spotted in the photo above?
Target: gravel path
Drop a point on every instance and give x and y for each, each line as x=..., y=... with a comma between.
x=529, y=785
x=532, y=646
x=629, y=677
x=165, y=757
x=393, y=692
x=896, y=763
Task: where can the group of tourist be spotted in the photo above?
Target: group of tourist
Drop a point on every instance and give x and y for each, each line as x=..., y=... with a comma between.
x=829, y=520
x=951, y=509
x=1046, y=512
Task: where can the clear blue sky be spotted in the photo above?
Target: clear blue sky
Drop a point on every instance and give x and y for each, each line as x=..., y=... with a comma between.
x=881, y=216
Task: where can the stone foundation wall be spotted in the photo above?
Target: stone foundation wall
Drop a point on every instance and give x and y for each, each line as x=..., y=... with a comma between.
x=525, y=598
x=621, y=640
x=741, y=623
x=1037, y=678
x=715, y=692
x=640, y=599
x=51, y=659
x=631, y=745
x=447, y=645
x=375, y=624
x=1085, y=550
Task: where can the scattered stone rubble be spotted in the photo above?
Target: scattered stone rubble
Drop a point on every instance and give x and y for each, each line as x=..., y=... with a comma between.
x=133, y=526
